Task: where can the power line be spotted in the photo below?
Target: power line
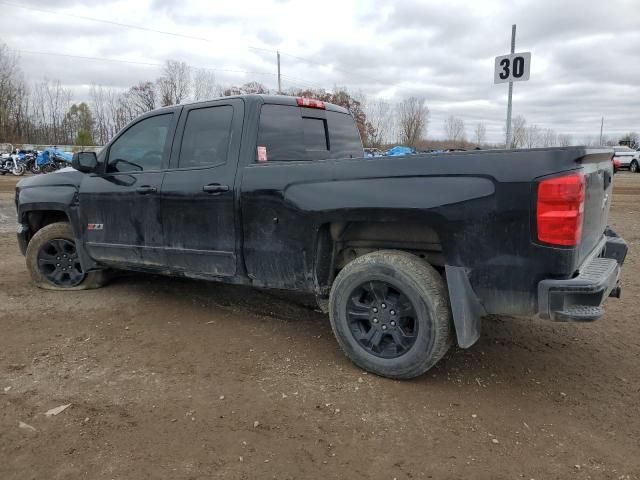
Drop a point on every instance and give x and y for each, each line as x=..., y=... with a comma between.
x=162, y=32
x=299, y=82
x=125, y=25
x=109, y=22
x=117, y=60
x=191, y=37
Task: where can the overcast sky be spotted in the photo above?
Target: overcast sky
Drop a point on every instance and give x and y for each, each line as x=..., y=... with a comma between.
x=585, y=54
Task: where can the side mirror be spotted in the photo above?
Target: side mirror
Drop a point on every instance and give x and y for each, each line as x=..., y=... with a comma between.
x=85, y=162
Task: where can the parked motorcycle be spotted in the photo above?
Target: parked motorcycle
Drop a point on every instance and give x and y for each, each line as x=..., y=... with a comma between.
x=52, y=159
x=11, y=163
x=30, y=163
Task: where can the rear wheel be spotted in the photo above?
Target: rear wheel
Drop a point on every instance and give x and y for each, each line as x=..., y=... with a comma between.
x=634, y=167
x=390, y=313
x=52, y=260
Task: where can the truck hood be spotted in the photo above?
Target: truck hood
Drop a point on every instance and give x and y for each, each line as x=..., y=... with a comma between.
x=67, y=176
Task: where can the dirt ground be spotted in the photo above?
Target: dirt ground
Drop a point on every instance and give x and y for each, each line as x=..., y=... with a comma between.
x=177, y=379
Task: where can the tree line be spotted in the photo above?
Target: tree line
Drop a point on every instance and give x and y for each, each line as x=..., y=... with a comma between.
x=43, y=112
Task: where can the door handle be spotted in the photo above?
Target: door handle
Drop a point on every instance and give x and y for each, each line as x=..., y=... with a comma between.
x=215, y=188
x=146, y=189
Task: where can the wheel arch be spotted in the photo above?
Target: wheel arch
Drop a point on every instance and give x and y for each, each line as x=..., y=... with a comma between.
x=33, y=217
x=339, y=243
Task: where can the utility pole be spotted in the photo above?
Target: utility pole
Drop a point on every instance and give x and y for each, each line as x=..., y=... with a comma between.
x=513, y=50
x=279, y=82
x=601, y=126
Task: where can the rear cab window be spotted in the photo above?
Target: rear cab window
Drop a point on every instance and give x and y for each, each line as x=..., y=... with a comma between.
x=292, y=133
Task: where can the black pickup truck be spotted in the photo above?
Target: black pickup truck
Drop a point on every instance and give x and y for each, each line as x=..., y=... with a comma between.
x=406, y=253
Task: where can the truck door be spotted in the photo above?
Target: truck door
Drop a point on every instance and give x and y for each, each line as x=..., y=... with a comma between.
x=198, y=201
x=120, y=206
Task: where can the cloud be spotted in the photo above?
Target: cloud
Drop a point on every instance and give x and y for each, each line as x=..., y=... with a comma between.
x=585, y=56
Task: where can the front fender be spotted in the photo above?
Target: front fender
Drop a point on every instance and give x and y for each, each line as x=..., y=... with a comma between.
x=59, y=198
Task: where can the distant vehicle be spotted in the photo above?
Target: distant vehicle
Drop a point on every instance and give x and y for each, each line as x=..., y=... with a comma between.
x=628, y=157
x=616, y=164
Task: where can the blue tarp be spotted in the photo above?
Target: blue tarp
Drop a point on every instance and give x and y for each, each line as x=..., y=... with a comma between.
x=399, y=150
x=45, y=156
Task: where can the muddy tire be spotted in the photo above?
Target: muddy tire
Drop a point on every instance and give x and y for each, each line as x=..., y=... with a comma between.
x=391, y=315
x=53, y=264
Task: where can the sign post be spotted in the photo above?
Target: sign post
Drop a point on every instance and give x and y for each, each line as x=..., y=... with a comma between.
x=514, y=67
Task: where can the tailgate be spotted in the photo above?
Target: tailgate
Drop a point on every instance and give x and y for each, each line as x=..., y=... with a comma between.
x=598, y=169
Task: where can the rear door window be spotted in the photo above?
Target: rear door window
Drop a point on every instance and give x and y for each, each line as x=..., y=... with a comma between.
x=344, y=136
x=294, y=133
x=205, y=141
x=281, y=133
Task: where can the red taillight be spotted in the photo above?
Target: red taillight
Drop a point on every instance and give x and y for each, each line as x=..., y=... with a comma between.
x=560, y=208
x=310, y=103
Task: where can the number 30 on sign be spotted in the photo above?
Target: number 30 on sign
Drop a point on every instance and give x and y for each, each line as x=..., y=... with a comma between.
x=512, y=68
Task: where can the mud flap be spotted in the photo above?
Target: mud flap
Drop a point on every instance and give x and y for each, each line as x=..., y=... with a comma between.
x=465, y=306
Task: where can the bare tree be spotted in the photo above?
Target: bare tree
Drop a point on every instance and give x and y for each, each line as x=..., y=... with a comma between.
x=380, y=116
x=50, y=104
x=12, y=93
x=549, y=137
x=480, y=133
x=142, y=97
x=518, y=131
x=204, y=85
x=251, y=87
x=174, y=83
x=454, y=130
x=532, y=136
x=413, y=120
x=631, y=139
x=564, y=140
x=101, y=129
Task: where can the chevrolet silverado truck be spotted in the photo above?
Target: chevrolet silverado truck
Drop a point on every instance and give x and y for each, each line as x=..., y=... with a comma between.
x=407, y=254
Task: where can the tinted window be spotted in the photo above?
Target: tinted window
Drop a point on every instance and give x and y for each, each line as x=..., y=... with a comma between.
x=206, y=137
x=287, y=135
x=344, y=138
x=281, y=132
x=315, y=133
x=141, y=146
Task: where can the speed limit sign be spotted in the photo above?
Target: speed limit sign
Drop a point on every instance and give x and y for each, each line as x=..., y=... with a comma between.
x=512, y=68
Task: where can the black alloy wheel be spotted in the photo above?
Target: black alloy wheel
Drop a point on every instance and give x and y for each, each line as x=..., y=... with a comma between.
x=58, y=262
x=382, y=319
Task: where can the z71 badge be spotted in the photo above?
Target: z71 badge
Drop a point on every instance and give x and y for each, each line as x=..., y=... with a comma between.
x=95, y=226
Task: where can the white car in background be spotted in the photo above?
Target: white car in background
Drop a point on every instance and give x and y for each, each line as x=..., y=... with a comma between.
x=628, y=157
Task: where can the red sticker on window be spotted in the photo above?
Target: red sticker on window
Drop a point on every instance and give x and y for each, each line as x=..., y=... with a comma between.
x=262, y=154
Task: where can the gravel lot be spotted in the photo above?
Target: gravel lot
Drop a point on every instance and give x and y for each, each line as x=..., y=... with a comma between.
x=176, y=379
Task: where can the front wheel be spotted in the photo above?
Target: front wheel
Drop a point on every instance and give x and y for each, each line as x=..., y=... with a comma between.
x=18, y=170
x=634, y=167
x=390, y=313
x=52, y=260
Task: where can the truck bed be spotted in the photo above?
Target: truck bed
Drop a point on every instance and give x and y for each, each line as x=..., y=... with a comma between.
x=480, y=205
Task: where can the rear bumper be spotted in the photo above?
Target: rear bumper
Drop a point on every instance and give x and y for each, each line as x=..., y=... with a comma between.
x=581, y=298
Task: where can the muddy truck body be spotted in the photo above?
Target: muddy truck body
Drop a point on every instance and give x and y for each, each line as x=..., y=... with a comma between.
x=407, y=254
